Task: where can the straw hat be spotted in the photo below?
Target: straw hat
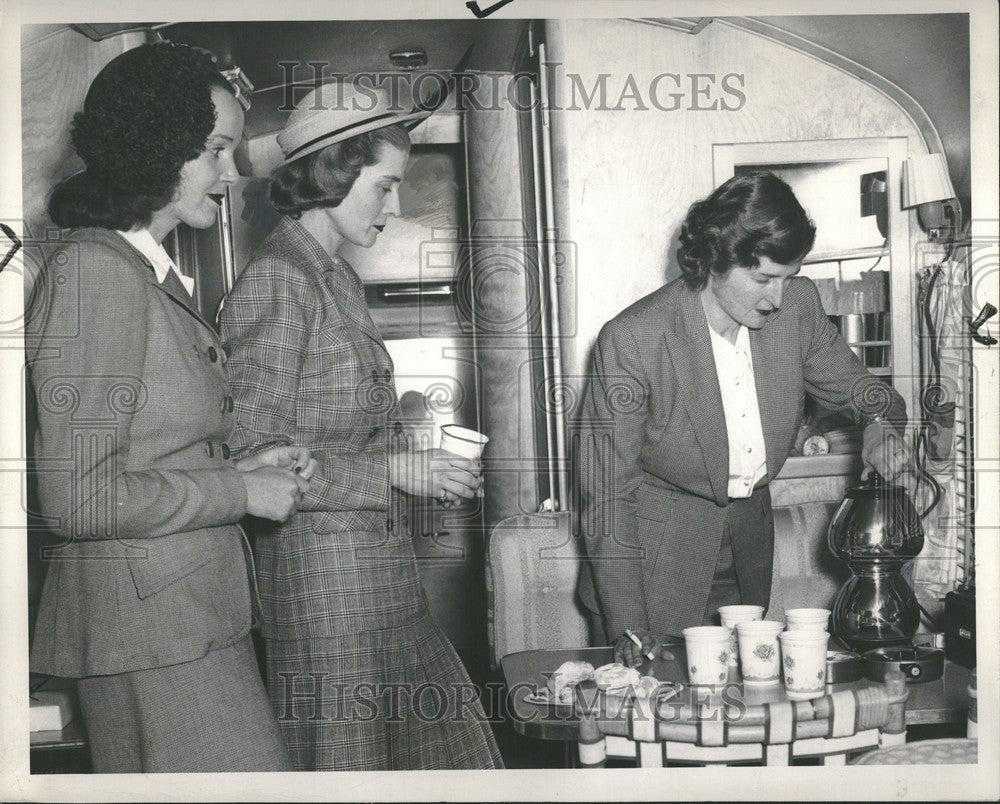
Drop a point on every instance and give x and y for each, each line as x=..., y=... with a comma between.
x=336, y=112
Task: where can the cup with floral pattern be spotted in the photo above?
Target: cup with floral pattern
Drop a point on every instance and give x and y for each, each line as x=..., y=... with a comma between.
x=730, y=616
x=760, y=652
x=803, y=660
x=707, y=655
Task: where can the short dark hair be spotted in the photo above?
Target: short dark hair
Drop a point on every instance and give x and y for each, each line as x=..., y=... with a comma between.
x=750, y=216
x=146, y=113
x=325, y=177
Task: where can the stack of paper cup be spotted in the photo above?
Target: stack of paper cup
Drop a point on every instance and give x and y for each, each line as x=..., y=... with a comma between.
x=707, y=655
x=730, y=616
x=807, y=619
x=760, y=653
x=803, y=659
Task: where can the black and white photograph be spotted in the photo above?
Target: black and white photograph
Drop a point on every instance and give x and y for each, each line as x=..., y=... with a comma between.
x=506, y=400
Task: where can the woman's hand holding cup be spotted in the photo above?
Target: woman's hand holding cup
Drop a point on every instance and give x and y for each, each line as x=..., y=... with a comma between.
x=436, y=473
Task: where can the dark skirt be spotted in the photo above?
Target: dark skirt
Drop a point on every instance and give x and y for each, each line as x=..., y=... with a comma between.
x=390, y=699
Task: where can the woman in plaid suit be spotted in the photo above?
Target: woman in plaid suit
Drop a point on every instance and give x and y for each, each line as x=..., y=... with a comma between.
x=147, y=600
x=360, y=676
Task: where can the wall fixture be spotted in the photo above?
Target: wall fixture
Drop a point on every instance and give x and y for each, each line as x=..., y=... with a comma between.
x=985, y=315
x=242, y=86
x=408, y=58
x=927, y=186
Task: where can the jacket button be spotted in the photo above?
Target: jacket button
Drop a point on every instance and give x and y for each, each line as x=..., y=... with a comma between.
x=209, y=449
x=212, y=354
x=226, y=406
x=225, y=452
x=373, y=432
x=374, y=376
x=398, y=428
x=387, y=375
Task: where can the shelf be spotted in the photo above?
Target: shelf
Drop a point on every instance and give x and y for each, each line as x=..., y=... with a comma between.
x=830, y=465
x=871, y=252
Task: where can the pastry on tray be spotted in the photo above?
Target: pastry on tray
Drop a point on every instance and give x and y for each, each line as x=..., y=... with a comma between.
x=615, y=677
x=568, y=675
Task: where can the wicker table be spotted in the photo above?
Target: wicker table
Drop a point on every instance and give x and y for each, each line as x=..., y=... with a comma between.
x=941, y=701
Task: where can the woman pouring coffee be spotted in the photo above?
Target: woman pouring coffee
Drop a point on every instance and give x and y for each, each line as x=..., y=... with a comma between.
x=345, y=617
x=695, y=396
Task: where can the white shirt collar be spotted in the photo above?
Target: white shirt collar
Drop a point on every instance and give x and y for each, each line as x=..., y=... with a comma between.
x=144, y=243
x=742, y=338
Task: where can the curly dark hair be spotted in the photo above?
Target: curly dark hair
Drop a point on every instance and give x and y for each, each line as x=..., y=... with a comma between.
x=146, y=113
x=750, y=216
x=325, y=177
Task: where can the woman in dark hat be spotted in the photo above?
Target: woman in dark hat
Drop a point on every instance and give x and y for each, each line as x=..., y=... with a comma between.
x=694, y=399
x=147, y=600
x=360, y=675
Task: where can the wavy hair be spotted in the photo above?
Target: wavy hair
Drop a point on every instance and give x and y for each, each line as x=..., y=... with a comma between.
x=146, y=113
x=325, y=177
x=752, y=215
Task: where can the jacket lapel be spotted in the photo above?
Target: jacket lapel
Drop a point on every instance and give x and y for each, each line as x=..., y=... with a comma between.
x=344, y=284
x=774, y=371
x=690, y=347
x=171, y=285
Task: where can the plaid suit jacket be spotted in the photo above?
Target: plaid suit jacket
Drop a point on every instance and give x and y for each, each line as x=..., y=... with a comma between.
x=133, y=411
x=653, y=462
x=308, y=367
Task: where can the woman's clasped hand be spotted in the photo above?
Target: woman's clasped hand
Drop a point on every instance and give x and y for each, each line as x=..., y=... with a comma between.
x=276, y=480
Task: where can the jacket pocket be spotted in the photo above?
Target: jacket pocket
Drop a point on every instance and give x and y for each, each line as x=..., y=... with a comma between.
x=326, y=522
x=654, y=503
x=653, y=509
x=160, y=569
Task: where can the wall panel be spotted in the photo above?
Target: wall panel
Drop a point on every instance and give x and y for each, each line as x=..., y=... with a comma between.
x=625, y=177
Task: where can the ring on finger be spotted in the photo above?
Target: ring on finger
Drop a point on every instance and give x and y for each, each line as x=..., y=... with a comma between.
x=443, y=497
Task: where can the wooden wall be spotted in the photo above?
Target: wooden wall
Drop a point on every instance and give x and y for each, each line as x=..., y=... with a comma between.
x=56, y=71
x=624, y=179
x=505, y=302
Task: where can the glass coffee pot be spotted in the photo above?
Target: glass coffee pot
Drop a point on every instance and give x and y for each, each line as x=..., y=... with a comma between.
x=876, y=531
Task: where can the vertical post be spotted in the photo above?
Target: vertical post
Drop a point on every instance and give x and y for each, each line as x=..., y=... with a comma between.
x=894, y=731
x=777, y=754
x=972, y=725
x=650, y=755
x=592, y=748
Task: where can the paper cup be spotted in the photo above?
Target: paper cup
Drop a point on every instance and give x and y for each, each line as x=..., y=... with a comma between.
x=760, y=652
x=707, y=655
x=730, y=616
x=463, y=441
x=803, y=661
x=807, y=619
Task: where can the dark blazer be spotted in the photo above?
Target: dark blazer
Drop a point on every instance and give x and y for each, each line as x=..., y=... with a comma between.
x=133, y=413
x=308, y=366
x=653, y=462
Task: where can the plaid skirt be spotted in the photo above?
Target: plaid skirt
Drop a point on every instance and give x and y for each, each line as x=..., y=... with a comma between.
x=389, y=699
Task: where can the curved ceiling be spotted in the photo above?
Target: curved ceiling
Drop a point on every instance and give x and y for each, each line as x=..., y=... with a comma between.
x=925, y=55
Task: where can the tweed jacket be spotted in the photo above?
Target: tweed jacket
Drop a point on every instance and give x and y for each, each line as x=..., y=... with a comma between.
x=308, y=366
x=133, y=409
x=653, y=463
